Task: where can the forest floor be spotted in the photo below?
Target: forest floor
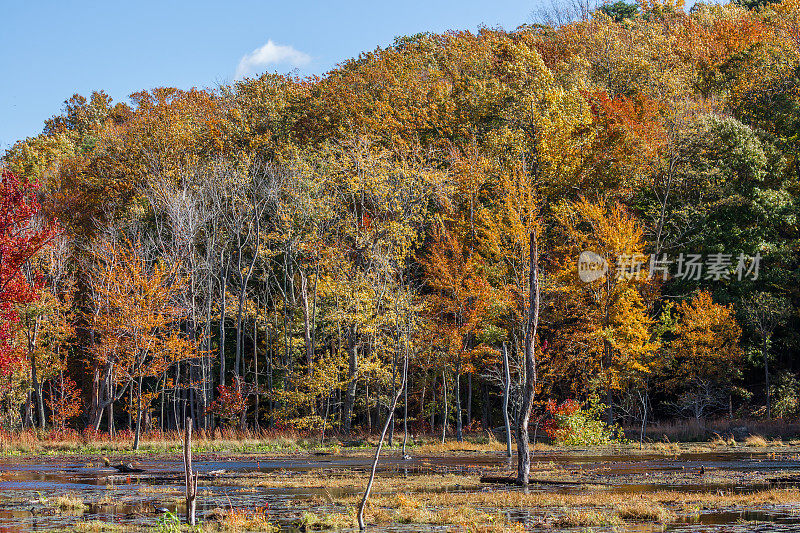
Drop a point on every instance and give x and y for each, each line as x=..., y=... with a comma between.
x=713, y=486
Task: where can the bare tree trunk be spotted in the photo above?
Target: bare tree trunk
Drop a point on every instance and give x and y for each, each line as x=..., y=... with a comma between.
x=175, y=385
x=609, y=395
x=485, y=418
x=189, y=475
x=422, y=397
x=459, y=428
x=469, y=399
x=506, y=393
x=765, y=351
x=37, y=386
x=27, y=414
x=325, y=420
x=163, y=400
x=405, y=403
x=110, y=408
x=102, y=392
x=350, y=398
x=394, y=385
x=444, y=395
x=256, y=389
x=433, y=403
x=138, y=435
x=96, y=412
x=644, y=399
x=523, y=449
x=380, y=445
x=306, y=308
x=367, y=405
x=269, y=354
x=208, y=388
x=37, y=392
x=223, y=287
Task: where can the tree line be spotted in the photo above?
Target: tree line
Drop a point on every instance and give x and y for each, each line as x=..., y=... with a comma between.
x=270, y=253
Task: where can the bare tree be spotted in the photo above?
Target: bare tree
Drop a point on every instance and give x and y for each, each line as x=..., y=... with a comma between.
x=523, y=451
x=375, y=460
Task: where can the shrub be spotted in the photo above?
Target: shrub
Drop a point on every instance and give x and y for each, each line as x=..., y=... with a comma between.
x=786, y=396
x=572, y=424
x=229, y=405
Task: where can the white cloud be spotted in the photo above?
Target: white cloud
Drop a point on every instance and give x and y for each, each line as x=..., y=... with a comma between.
x=271, y=54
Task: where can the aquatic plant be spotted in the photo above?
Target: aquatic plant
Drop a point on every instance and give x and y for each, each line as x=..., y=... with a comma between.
x=169, y=523
x=313, y=522
x=69, y=503
x=97, y=526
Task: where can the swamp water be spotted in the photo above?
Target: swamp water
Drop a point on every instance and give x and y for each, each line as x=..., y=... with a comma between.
x=29, y=490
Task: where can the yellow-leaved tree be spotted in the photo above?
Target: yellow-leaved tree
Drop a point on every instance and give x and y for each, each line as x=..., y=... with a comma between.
x=601, y=328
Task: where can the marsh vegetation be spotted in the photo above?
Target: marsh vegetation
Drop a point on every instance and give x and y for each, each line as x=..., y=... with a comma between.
x=626, y=487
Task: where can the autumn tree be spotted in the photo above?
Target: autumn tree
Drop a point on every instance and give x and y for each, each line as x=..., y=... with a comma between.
x=137, y=323
x=705, y=350
x=22, y=235
x=458, y=300
x=46, y=329
x=293, y=225
x=64, y=400
x=510, y=238
x=602, y=327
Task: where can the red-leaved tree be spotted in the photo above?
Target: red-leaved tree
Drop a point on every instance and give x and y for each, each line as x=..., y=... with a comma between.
x=229, y=405
x=22, y=234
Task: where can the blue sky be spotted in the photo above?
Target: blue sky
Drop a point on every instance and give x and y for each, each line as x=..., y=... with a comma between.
x=50, y=50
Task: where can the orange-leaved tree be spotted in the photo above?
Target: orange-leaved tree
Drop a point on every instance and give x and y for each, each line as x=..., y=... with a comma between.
x=137, y=323
x=64, y=401
x=458, y=299
x=706, y=352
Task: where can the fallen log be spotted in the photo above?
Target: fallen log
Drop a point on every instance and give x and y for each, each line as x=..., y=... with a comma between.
x=512, y=480
x=785, y=480
x=500, y=480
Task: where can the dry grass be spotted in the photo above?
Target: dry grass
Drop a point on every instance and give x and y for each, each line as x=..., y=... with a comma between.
x=108, y=499
x=586, y=509
x=611, y=500
x=435, y=499
x=756, y=440
x=411, y=510
x=69, y=504
x=715, y=433
x=97, y=526
x=720, y=442
x=693, y=431
x=314, y=522
x=354, y=481
x=450, y=447
x=233, y=520
x=158, y=489
x=52, y=442
x=585, y=518
x=646, y=512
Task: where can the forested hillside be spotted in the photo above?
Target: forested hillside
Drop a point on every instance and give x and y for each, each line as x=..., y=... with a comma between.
x=267, y=254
